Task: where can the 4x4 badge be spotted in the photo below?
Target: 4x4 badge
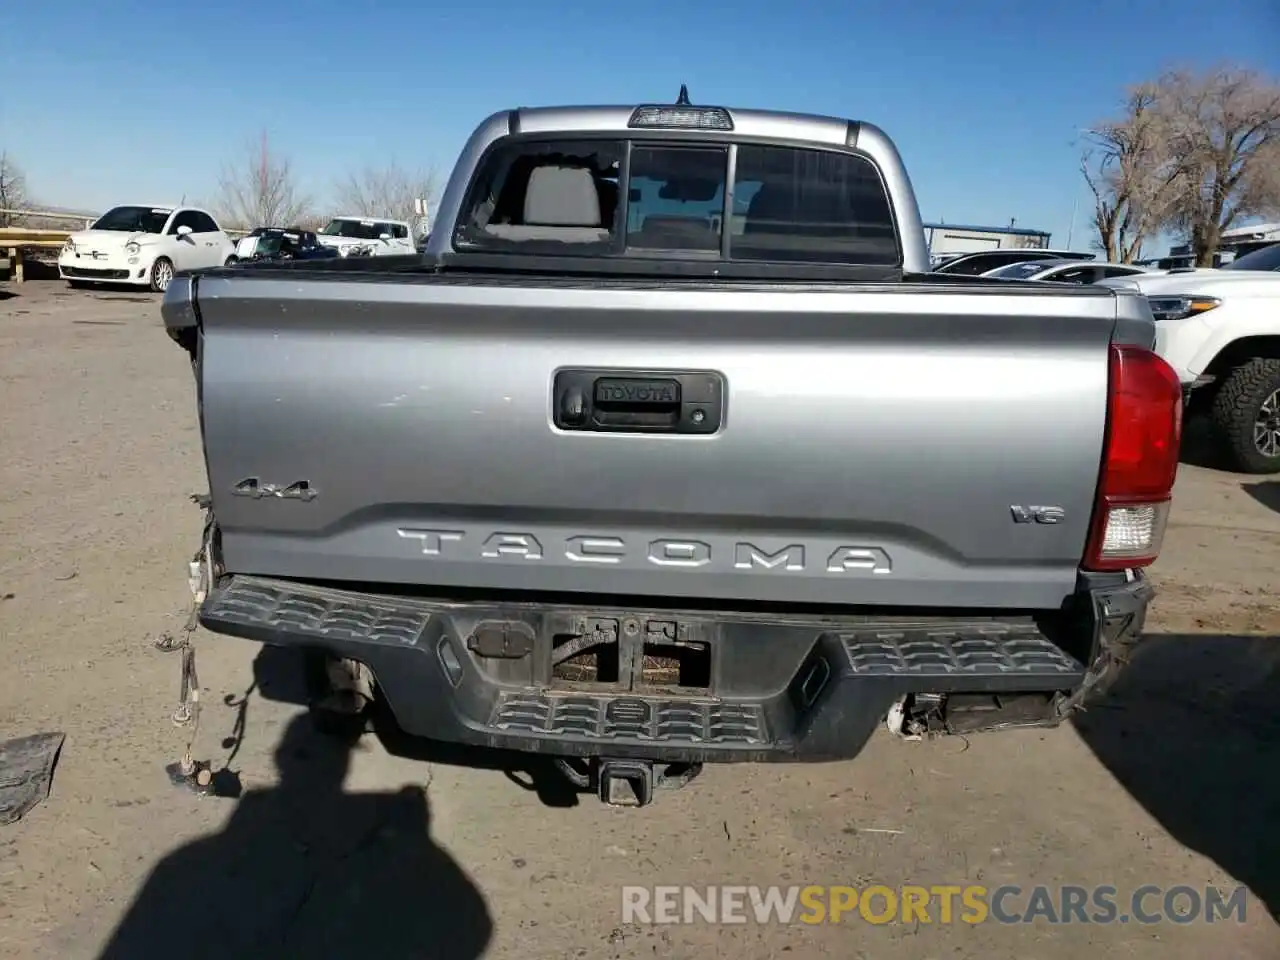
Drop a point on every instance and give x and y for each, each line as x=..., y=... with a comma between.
x=251, y=487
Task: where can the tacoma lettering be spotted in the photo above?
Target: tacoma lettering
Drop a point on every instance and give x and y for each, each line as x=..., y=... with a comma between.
x=748, y=555
x=603, y=549
x=595, y=549
x=522, y=545
x=851, y=559
x=432, y=541
x=679, y=553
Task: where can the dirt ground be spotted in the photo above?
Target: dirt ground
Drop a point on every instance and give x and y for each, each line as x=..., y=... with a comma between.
x=396, y=850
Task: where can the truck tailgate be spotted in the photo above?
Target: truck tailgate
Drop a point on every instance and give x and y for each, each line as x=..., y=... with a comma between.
x=915, y=445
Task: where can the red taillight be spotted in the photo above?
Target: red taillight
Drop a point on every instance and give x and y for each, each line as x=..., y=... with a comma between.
x=1140, y=462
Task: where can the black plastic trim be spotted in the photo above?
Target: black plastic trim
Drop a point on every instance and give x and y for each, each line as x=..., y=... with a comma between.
x=638, y=273
x=672, y=402
x=783, y=688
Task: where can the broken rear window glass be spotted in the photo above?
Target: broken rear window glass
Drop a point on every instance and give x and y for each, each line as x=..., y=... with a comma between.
x=559, y=193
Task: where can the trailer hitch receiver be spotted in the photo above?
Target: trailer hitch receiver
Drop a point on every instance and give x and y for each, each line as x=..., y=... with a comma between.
x=631, y=783
x=626, y=783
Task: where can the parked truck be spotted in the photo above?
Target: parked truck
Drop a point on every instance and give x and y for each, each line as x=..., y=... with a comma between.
x=1220, y=331
x=671, y=450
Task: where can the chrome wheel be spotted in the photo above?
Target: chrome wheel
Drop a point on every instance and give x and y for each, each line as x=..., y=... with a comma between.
x=1266, y=427
x=161, y=274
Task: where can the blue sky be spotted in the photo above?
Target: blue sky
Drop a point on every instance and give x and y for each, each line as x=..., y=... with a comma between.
x=117, y=100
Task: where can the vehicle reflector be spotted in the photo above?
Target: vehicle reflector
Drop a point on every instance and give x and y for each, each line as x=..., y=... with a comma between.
x=1140, y=461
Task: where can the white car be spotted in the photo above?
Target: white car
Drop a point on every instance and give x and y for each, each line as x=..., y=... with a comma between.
x=1065, y=271
x=1220, y=330
x=367, y=236
x=144, y=245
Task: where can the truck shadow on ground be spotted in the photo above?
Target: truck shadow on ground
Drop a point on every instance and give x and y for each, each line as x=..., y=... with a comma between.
x=1192, y=731
x=304, y=869
x=1266, y=492
x=278, y=674
x=1199, y=448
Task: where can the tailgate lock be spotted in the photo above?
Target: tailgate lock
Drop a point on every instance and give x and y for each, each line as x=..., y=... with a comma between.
x=501, y=639
x=573, y=408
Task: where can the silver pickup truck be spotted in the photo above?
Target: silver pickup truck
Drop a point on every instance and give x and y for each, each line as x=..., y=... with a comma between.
x=669, y=450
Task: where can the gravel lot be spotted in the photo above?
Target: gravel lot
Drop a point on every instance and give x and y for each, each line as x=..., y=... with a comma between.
x=395, y=850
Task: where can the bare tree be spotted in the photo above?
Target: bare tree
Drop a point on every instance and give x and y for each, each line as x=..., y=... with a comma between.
x=260, y=191
x=13, y=191
x=311, y=221
x=1222, y=129
x=387, y=192
x=1130, y=174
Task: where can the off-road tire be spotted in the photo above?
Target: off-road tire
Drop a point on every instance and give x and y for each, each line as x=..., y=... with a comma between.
x=1236, y=409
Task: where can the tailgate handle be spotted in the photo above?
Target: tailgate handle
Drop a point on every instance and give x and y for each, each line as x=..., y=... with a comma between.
x=638, y=401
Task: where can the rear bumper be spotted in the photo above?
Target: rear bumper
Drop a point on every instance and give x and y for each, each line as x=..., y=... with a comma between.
x=776, y=688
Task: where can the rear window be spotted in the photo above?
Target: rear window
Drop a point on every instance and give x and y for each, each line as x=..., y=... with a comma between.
x=982, y=262
x=562, y=194
x=810, y=205
x=1020, y=271
x=1085, y=274
x=675, y=198
x=785, y=204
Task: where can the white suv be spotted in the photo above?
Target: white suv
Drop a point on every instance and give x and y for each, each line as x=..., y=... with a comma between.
x=1220, y=330
x=144, y=245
